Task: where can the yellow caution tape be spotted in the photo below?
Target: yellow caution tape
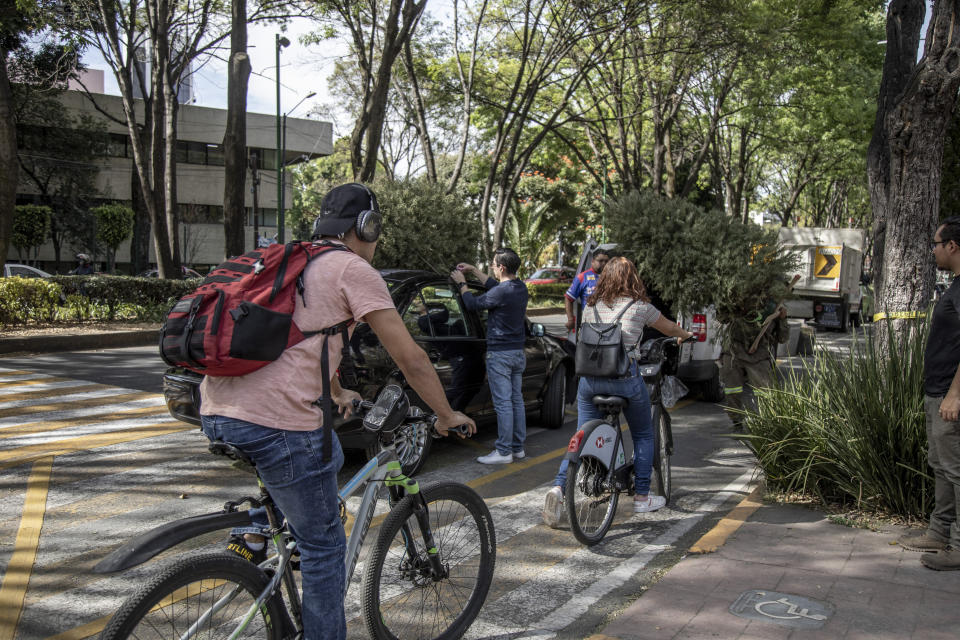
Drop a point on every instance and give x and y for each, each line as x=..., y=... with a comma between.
x=899, y=315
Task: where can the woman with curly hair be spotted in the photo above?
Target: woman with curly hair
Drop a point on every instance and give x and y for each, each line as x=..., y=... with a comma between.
x=620, y=287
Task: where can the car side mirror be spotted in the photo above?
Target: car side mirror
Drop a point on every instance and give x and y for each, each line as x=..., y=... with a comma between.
x=538, y=330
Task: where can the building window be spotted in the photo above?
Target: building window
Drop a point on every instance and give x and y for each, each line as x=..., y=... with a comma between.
x=117, y=146
x=215, y=155
x=268, y=217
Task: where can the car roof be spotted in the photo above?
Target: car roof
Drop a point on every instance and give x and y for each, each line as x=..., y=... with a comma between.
x=403, y=276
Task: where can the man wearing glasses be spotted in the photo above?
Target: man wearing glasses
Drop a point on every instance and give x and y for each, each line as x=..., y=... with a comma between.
x=941, y=388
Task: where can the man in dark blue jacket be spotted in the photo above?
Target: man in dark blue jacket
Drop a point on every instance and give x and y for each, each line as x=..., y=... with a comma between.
x=506, y=301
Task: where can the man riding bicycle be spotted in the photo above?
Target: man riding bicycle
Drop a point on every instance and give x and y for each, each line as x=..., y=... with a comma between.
x=271, y=415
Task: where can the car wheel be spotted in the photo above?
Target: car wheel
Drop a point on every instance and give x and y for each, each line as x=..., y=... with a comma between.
x=413, y=443
x=712, y=390
x=553, y=410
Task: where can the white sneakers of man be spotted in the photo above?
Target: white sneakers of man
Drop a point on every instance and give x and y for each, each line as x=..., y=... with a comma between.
x=652, y=503
x=495, y=457
x=553, y=507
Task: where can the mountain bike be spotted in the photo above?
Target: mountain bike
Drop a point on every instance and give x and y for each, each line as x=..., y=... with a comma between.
x=427, y=575
x=599, y=470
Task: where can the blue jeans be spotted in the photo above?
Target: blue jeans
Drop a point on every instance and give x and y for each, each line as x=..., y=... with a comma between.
x=638, y=417
x=505, y=376
x=291, y=465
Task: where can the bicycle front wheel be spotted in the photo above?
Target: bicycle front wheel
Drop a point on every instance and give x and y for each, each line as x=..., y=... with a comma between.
x=206, y=597
x=402, y=599
x=590, y=498
x=662, y=480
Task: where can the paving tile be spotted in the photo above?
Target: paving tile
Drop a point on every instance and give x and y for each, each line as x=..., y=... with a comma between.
x=660, y=613
x=852, y=590
x=714, y=620
x=766, y=631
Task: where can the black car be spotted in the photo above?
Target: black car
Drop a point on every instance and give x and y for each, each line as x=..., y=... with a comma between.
x=454, y=338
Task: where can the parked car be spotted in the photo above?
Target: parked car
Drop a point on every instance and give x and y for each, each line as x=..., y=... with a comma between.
x=24, y=271
x=186, y=272
x=551, y=275
x=455, y=341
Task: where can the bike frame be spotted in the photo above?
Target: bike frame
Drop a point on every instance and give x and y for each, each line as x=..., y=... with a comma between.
x=384, y=469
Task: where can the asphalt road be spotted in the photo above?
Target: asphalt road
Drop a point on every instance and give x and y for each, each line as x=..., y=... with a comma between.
x=89, y=458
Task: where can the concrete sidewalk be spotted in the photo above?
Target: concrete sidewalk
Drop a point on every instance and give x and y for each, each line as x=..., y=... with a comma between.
x=788, y=572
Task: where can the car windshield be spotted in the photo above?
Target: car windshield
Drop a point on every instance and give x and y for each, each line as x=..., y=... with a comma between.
x=545, y=273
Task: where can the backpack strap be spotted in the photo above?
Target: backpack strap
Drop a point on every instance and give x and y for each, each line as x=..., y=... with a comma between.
x=624, y=310
x=324, y=247
x=347, y=373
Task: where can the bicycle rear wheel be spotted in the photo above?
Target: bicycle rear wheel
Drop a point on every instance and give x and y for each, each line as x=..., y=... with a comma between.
x=400, y=597
x=180, y=596
x=661, y=481
x=590, y=498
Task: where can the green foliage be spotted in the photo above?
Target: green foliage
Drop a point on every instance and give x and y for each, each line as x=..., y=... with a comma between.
x=24, y=300
x=423, y=227
x=31, y=223
x=696, y=257
x=849, y=429
x=114, y=224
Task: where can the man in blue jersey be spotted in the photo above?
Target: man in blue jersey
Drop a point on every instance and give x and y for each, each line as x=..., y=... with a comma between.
x=583, y=285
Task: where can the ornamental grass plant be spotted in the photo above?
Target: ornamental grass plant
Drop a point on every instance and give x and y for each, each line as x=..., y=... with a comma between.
x=849, y=429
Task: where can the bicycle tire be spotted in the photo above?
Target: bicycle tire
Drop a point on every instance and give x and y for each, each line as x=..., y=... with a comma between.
x=661, y=481
x=591, y=501
x=172, y=601
x=401, y=601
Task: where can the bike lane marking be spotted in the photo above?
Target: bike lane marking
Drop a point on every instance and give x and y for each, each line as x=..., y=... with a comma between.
x=28, y=453
x=30, y=428
x=16, y=578
x=75, y=404
x=6, y=384
x=81, y=387
x=573, y=608
x=716, y=537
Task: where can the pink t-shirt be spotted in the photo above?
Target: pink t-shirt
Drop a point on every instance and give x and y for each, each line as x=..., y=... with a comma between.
x=338, y=286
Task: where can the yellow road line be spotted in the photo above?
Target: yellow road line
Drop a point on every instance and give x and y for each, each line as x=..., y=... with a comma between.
x=714, y=539
x=83, y=631
x=47, y=393
x=17, y=577
x=20, y=455
x=95, y=418
x=4, y=374
x=76, y=404
x=24, y=383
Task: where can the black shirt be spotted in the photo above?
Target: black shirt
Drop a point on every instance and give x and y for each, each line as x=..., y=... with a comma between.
x=943, y=346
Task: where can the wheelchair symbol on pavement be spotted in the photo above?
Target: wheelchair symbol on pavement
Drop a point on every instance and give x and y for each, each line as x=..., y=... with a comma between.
x=784, y=609
x=792, y=613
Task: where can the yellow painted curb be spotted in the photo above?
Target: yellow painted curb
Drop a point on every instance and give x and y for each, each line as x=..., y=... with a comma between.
x=716, y=537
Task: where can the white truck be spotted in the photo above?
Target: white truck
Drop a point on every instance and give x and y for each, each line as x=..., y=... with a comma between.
x=831, y=260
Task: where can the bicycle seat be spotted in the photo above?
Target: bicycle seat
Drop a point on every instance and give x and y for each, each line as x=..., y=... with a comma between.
x=610, y=403
x=221, y=448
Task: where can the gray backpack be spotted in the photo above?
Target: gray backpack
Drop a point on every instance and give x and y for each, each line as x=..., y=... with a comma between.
x=600, y=349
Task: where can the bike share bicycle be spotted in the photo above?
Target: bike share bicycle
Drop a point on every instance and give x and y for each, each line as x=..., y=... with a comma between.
x=427, y=575
x=599, y=471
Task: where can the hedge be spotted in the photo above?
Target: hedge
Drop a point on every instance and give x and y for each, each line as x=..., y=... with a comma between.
x=541, y=294
x=81, y=298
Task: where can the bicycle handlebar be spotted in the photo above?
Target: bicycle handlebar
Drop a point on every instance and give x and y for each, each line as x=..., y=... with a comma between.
x=415, y=414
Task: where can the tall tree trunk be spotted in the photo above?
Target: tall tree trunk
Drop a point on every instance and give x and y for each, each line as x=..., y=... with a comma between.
x=171, y=107
x=423, y=131
x=235, y=135
x=9, y=167
x=904, y=22
x=916, y=131
x=140, y=238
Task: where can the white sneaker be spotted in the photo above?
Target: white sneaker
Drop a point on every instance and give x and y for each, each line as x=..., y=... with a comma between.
x=652, y=503
x=553, y=507
x=495, y=457
x=519, y=455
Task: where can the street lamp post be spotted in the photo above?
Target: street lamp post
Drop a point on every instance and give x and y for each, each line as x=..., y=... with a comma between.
x=280, y=42
x=281, y=175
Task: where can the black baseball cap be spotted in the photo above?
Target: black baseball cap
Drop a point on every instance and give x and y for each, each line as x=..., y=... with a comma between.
x=341, y=206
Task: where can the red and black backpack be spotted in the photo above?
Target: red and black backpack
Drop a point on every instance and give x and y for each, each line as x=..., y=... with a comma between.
x=240, y=319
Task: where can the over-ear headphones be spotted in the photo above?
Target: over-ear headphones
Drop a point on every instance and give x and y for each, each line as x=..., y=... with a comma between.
x=369, y=222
